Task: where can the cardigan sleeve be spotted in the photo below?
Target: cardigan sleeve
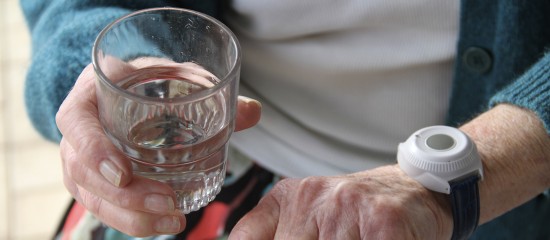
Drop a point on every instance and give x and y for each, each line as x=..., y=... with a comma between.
x=62, y=35
x=531, y=91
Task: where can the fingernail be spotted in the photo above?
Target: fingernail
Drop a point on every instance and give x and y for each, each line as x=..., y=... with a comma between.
x=110, y=172
x=168, y=224
x=159, y=203
x=250, y=100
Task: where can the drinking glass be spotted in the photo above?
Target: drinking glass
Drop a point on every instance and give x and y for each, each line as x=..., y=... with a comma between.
x=167, y=82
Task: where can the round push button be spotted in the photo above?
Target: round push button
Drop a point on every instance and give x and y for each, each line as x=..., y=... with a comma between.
x=440, y=142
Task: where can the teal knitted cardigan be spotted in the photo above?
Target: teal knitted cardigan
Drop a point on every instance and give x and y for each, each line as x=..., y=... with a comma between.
x=509, y=64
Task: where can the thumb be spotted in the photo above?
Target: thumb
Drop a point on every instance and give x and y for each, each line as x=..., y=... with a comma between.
x=248, y=113
x=260, y=223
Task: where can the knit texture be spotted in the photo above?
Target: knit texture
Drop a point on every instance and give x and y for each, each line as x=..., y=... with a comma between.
x=531, y=91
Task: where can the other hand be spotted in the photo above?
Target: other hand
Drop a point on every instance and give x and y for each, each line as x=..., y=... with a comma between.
x=382, y=203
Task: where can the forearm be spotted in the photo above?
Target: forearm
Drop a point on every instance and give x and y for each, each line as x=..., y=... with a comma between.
x=515, y=150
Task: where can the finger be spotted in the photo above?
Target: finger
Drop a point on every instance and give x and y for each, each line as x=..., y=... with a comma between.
x=66, y=153
x=77, y=120
x=141, y=194
x=248, y=113
x=260, y=223
x=131, y=222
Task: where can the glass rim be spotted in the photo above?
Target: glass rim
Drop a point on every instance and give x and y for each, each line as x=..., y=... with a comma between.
x=226, y=79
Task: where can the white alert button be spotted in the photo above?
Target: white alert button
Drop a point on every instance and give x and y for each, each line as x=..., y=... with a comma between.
x=436, y=155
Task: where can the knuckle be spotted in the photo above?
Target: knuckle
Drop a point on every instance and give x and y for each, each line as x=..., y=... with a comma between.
x=312, y=186
x=122, y=201
x=60, y=116
x=312, y=181
x=76, y=170
x=88, y=145
x=345, y=192
x=282, y=186
x=92, y=203
x=135, y=229
x=76, y=163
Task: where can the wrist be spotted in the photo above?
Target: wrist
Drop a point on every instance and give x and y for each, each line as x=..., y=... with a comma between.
x=438, y=203
x=513, y=145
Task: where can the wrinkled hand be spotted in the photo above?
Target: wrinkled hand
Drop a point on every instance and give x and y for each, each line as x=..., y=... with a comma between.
x=382, y=203
x=100, y=178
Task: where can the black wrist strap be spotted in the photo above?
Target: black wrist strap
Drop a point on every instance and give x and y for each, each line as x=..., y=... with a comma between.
x=465, y=205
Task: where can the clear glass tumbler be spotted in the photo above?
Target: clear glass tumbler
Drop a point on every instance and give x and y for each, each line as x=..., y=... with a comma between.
x=167, y=82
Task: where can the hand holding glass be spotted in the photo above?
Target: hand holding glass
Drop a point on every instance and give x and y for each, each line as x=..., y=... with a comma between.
x=166, y=85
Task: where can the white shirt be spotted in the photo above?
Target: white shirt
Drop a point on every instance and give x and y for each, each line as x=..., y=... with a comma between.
x=341, y=82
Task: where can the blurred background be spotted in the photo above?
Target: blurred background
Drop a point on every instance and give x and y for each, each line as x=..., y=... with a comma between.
x=32, y=196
